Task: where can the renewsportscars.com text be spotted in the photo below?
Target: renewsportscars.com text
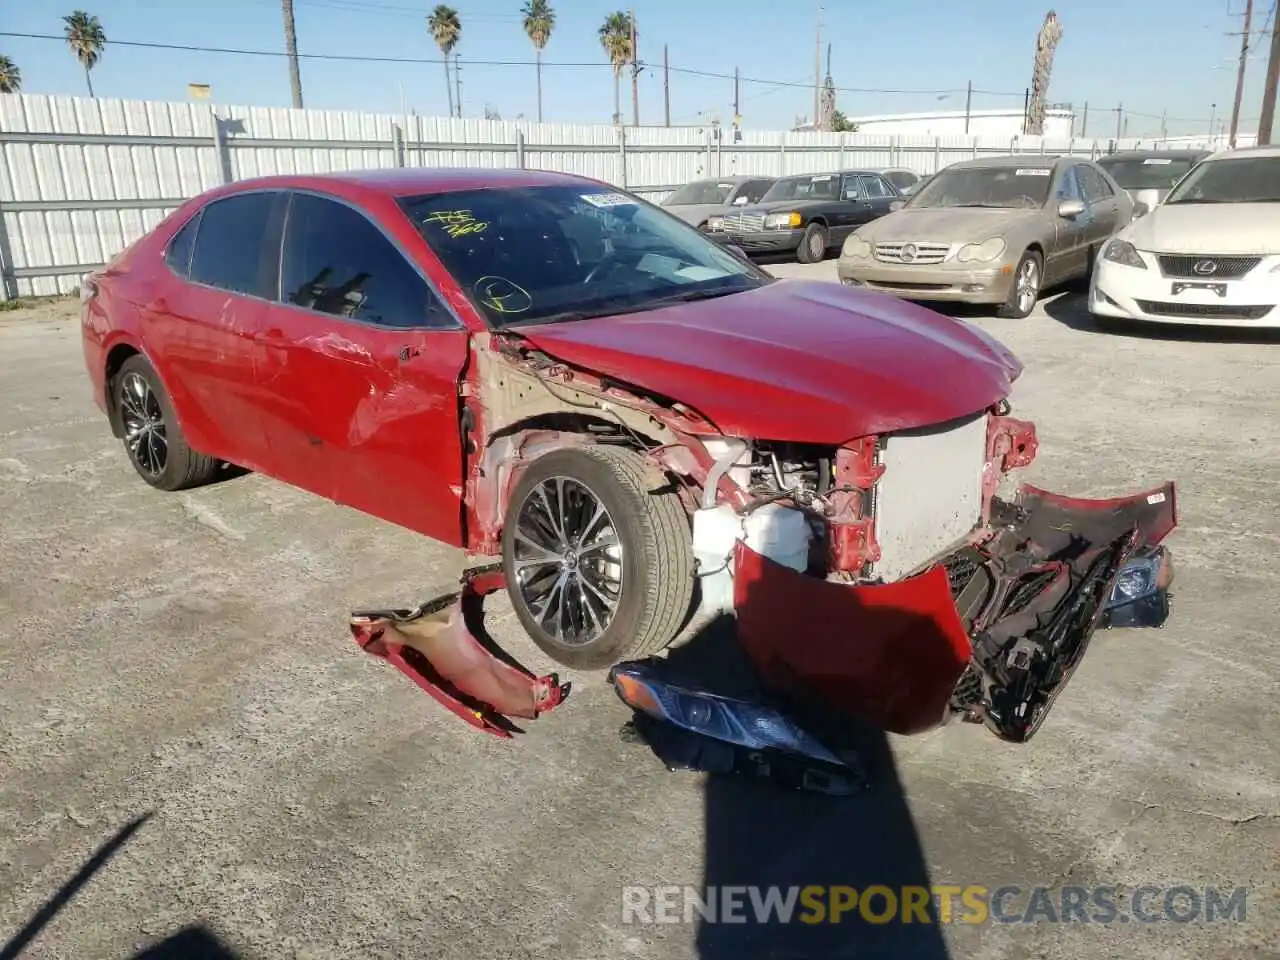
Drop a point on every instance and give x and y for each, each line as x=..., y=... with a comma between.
x=941, y=903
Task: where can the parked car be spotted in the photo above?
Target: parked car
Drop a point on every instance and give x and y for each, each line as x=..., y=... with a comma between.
x=902, y=178
x=998, y=230
x=917, y=186
x=1148, y=175
x=1208, y=254
x=539, y=367
x=809, y=214
x=696, y=201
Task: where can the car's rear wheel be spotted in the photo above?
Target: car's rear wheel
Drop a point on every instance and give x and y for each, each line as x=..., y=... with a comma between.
x=153, y=438
x=813, y=245
x=1025, y=290
x=599, y=564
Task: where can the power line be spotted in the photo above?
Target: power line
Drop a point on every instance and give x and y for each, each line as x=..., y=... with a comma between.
x=358, y=58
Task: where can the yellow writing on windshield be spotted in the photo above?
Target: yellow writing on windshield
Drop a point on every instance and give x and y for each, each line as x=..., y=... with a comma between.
x=457, y=223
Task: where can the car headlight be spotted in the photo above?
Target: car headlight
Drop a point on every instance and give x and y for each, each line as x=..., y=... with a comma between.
x=856, y=248
x=775, y=221
x=983, y=252
x=756, y=726
x=715, y=223
x=1124, y=253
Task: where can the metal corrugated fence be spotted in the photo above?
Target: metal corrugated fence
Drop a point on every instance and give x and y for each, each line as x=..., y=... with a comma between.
x=82, y=178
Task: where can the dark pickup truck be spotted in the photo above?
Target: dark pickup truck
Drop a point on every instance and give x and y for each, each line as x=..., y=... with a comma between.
x=808, y=214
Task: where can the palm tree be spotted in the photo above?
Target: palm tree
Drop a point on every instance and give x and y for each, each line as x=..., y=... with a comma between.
x=539, y=21
x=291, y=48
x=10, y=76
x=446, y=30
x=615, y=37
x=86, y=40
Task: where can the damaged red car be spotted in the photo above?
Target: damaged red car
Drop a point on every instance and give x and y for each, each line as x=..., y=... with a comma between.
x=637, y=421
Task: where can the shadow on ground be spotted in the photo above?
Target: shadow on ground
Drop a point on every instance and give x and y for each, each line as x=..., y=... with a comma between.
x=1072, y=310
x=190, y=943
x=760, y=835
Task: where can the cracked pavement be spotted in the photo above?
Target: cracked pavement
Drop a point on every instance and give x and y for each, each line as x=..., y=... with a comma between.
x=188, y=654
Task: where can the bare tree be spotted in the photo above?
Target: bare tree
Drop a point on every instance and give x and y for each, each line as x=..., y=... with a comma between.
x=10, y=76
x=615, y=37
x=539, y=21
x=86, y=40
x=446, y=30
x=291, y=47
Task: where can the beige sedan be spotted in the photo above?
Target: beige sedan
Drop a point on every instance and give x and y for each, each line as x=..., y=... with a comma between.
x=998, y=230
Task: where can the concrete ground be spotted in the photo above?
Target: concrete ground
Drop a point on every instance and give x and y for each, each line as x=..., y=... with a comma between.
x=186, y=657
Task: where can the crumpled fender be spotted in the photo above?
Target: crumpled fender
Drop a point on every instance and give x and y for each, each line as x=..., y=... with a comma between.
x=442, y=646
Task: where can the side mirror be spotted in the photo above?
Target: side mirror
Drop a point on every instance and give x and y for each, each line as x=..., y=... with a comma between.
x=1070, y=209
x=741, y=201
x=897, y=205
x=1140, y=209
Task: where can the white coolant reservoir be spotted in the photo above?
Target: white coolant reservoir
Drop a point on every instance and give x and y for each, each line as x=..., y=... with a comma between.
x=775, y=531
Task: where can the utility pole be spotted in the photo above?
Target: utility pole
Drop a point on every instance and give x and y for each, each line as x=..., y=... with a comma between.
x=817, y=69
x=635, y=72
x=666, y=89
x=291, y=48
x=1269, y=88
x=1119, y=121
x=457, y=80
x=1026, y=108
x=1084, y=121
x=1213, y=115
x=1164, y=124
x=1244, y=57
x=737, y=116
x=968, y=106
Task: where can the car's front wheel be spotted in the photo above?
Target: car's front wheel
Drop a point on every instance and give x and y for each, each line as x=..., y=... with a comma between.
x=813, y=245
x=1025, y=289
x=599, y=564
x=152, y=436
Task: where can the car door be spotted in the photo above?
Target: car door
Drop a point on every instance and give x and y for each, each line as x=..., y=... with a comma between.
x=1104, y=205
x=879, y=193
x=851, y=210
x=202, y=319
x=364, y=367
x=1071, y=234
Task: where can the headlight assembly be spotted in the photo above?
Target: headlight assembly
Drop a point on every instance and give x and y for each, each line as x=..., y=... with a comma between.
x=715, y=223
x=983, y=252
x=776, y=221
x=1123, y=252
x=856, y=248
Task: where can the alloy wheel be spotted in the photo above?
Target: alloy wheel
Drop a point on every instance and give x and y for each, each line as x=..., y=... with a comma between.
x=568, y=560
x=1028, y=285
x=144, y=427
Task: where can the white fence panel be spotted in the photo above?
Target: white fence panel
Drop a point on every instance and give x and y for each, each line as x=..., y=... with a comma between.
x=82, y=178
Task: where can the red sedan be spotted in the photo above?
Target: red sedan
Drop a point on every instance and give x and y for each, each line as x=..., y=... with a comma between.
x=638, y=421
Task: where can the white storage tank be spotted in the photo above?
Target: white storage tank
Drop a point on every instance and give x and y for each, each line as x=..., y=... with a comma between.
x=773, y=530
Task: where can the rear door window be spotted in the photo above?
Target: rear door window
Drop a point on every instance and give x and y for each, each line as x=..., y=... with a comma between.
x=875, y=188
x=178, y=255
x=337, y=262
x=237, y=245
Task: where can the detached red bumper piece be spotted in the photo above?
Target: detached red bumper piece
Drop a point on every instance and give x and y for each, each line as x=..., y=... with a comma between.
x=992, y=632
x=442, y=646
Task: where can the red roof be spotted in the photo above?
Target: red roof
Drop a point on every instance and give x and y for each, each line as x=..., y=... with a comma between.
x=406, y=181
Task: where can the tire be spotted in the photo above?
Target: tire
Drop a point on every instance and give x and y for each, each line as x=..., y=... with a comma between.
x=813, y=245
x=138, y=397
x=1019, y=307
x=654, y=592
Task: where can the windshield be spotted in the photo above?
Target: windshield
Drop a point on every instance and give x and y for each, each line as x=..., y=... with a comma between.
x=704, y=191
x=543, y=254
x=1150, y=173
x=1012, y=187
x=1231, y=180
x=825, y=186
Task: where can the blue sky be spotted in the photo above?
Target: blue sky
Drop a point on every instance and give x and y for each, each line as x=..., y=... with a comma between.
x=1172, y=55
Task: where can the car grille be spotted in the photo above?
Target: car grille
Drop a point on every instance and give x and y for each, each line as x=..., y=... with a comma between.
x=921, y=252
x=1224, y=268
x=1216, y=311
x=743, y=223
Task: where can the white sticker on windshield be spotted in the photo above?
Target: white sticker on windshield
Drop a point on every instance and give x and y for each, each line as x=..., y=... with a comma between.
x=1155, y=160
x=608, y=199
x=1032, y=172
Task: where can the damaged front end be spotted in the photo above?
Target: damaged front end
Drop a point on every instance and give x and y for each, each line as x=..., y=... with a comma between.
x=992, y=633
